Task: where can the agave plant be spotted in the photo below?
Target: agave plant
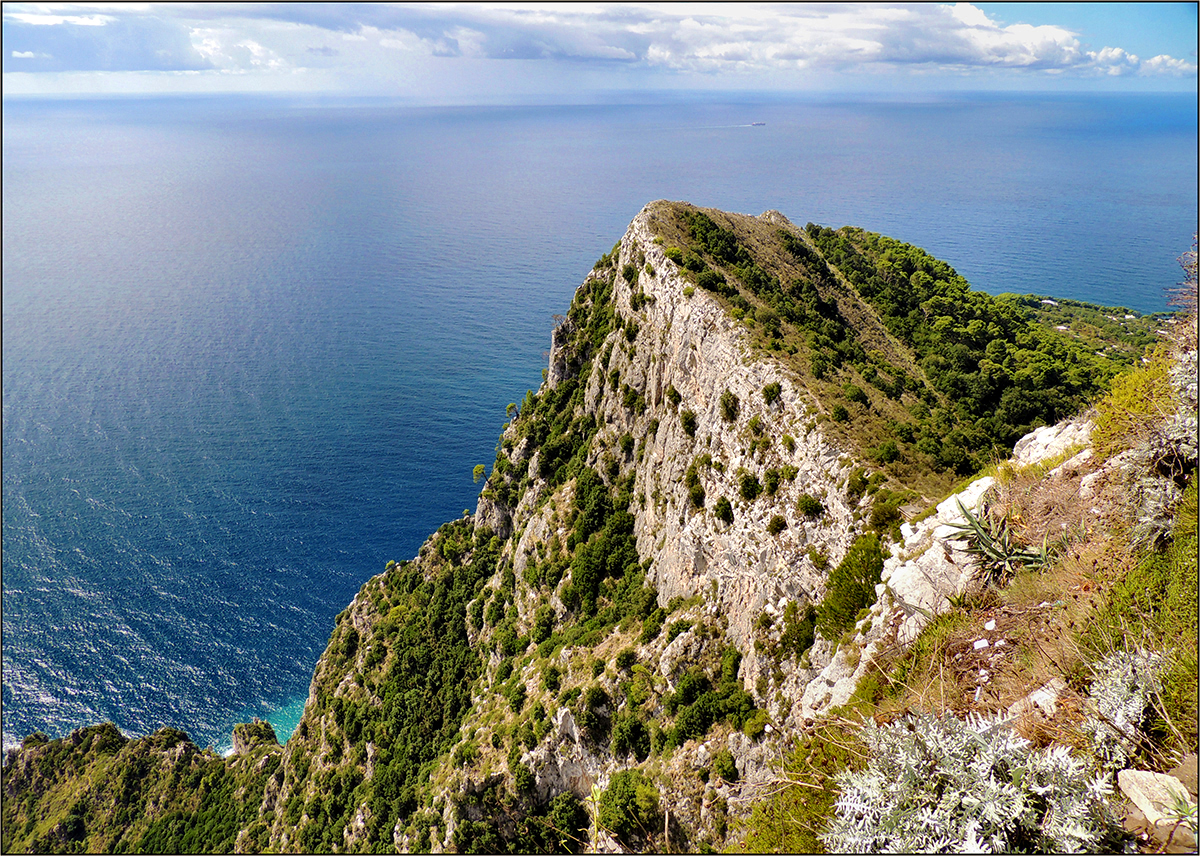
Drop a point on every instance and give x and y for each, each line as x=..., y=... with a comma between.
x=999, y=552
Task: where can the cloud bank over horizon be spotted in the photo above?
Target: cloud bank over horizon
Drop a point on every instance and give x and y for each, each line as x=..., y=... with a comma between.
x=489, y=51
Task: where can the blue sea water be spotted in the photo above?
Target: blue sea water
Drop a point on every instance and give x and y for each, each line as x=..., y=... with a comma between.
x=253, y=348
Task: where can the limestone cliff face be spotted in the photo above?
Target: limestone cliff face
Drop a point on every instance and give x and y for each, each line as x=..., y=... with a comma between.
x=672, y=350
x=691, y=343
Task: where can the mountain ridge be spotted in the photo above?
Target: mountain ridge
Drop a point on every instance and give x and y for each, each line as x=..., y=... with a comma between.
x=643, y=591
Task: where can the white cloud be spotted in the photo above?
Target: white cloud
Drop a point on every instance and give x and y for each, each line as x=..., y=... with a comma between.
x=382, y=47
x=230, y=53
x=43, y=19
x=30, y=55
x=714, y=39
x=1166, y=65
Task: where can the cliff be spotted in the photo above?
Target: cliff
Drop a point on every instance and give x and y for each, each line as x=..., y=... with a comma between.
x=733, y=517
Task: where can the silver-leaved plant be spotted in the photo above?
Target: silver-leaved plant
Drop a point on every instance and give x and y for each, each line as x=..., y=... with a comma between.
x=1121, y=692
x=937, y=784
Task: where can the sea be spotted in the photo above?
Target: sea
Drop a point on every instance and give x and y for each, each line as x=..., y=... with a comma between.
x=253, y=347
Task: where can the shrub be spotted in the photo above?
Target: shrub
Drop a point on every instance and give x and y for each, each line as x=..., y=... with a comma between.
x=687, y=420
x=748, y=486
x=789, y=819
x=629, y=273
x=674, y=254
x=887, y=452
x=543, y=624
x=714, y=281
x=1124, y=685
x=839, y=413
x=516, y=697
x=568, y=821
x=851, y=587
x=626, y=443
x=810, y=506
x=855, y=394
x=778, y=524
x=723, y=765
x=940, y=784
x=591, y=715
x=856, y=484
x=629, y=735
x=677, y=628
x=798, y=630
x=789, y=443
x=629, y=807
x=673, y=395
x=523, y=779
x=552, y=679
x=756, y=725
x=652, y=626
x=771, y=392
x=626, y=659
x=730, y=406
x=1134, y=403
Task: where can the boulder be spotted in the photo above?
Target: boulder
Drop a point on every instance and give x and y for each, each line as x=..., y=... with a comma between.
x=1152, y=793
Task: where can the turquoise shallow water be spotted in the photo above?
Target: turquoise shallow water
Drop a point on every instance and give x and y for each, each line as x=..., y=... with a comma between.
x=252, y=349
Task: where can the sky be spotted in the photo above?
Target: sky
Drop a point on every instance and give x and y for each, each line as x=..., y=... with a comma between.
x=502, y=52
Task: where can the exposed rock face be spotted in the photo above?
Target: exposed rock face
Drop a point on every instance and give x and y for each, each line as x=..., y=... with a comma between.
x=919, y=579
x=924, y=572
x=1156, y=795
x=1049, y=441
x=250, y=735
x=692, y=345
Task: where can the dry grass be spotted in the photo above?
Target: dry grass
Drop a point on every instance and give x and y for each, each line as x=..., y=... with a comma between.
x=1046, y=508
x=1036, y=624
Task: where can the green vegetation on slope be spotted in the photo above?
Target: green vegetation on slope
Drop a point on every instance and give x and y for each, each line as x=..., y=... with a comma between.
x=931, y=380
x=402, y=690
x=97, y=791
x=997, y=374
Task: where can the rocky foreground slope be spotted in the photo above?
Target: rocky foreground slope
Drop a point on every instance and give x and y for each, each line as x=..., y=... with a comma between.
x=736, y=514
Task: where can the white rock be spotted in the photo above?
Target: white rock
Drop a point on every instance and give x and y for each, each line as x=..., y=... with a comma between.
x=1045, y=699
x=980, y=644
x=1048, y=441
x=1152, y=794
x=991, y=625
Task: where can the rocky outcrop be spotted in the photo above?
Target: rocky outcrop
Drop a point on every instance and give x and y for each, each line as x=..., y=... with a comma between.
x=689, y=343
x=926, y=571
x=248, y=736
